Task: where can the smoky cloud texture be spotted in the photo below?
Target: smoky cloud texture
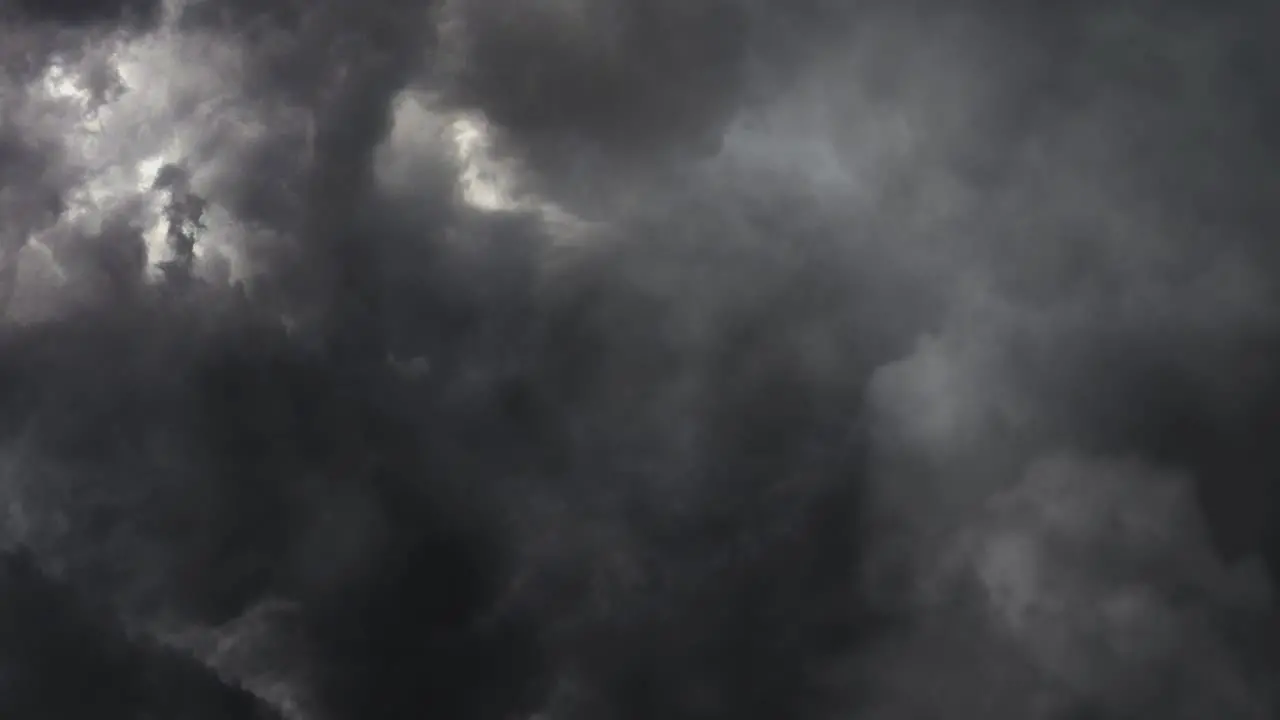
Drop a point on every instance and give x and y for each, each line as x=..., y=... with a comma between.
x=621, y=359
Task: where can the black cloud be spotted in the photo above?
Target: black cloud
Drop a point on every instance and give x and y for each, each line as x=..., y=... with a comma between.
x=493, y=466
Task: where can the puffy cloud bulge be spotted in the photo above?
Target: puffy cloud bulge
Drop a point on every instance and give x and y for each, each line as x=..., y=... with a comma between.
x=618, y=359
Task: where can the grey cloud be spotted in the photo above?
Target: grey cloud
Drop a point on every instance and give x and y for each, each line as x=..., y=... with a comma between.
x=647, y=469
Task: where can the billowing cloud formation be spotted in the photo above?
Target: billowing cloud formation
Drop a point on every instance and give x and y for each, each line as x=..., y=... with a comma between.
x=61, y=659
x=598, y=358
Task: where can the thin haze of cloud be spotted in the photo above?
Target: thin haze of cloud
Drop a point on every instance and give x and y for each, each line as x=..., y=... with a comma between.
x=618, y=359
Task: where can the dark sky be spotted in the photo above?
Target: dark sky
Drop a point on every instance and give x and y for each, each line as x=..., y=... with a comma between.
x=639, y=359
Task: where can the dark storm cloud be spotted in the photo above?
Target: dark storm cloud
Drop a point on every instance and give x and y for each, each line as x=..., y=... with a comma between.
x=491, y=469
x=1110, y=226
x=80, y=13
x=585, y=90
x=177, y=451
x=201, y=457
x=632, y=75
x=29, y=202
x=63, y=659
x=1182, y=371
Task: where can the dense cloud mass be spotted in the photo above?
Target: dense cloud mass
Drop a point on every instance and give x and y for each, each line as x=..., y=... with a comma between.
x=638, y=359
